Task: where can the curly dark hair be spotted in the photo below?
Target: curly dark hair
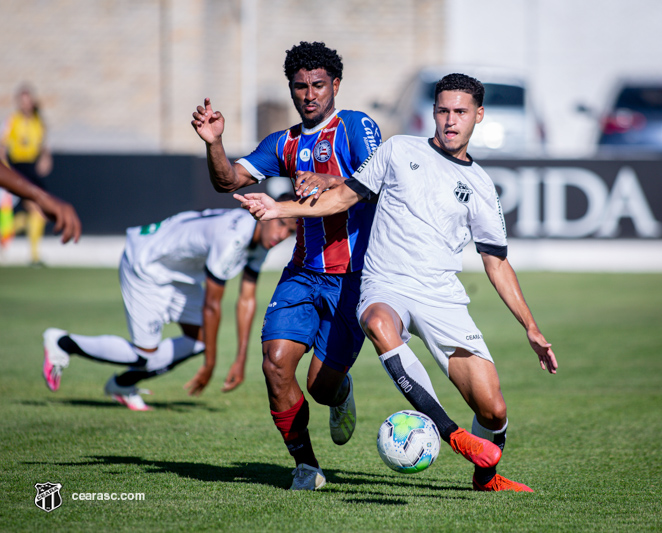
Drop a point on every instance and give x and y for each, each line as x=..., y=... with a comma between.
x=461, y=82
x=311, y=56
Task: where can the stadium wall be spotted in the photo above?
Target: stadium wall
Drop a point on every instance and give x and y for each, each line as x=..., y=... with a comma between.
x=557, y=199
x=560, y=214
x=125, y=75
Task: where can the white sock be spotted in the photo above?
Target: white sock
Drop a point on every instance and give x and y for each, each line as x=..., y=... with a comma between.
x=487, y=434
x=412, y=366
x=109, y=348
x=171, y=351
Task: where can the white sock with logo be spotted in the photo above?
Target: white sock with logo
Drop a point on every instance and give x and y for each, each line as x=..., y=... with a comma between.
x=412, y=380
x=412, y=366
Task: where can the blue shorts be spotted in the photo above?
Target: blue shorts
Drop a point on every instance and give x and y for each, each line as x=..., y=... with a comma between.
x=318, y=310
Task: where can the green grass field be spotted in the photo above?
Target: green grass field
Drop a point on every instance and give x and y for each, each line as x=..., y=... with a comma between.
x=587, y=440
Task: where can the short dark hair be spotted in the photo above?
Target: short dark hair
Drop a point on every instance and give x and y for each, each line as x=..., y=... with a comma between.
x=461, y=82
x=311, y=56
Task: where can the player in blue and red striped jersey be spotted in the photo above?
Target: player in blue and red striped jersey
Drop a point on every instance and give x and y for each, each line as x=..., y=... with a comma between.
x=315, y=301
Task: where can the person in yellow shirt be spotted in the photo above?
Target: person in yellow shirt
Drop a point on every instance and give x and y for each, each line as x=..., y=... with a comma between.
x=23, y=148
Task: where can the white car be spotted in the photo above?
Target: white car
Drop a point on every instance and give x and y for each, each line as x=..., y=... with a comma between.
x=510, y=127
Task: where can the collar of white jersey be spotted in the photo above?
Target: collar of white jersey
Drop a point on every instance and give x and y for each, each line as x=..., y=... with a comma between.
x=321, y=125
x=448, y=156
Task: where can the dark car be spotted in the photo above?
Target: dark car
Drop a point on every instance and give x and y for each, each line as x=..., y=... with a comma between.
x=633, y=121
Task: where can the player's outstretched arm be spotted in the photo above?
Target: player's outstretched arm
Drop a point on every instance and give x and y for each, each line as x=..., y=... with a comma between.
x=504, y=279
x=61, y=213
x=224, y=175
x=263, y=207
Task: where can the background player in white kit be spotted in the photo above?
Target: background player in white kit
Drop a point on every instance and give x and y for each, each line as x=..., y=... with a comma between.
x=432, y=199
x=162, y=272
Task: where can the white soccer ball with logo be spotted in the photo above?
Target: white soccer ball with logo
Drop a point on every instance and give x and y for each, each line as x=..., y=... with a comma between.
x=408, y=442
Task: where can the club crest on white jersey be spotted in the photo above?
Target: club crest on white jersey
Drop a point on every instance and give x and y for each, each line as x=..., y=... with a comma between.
x=462, y=192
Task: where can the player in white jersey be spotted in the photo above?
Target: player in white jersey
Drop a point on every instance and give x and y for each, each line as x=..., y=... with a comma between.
x=175, y=271
x=432, y=200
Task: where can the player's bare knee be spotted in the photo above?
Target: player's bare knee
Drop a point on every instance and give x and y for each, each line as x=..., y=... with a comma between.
x=375, y=324
x=274, y=366
x=493, y=416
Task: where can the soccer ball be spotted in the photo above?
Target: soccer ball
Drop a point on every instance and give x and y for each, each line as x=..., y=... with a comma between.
x=408, y=442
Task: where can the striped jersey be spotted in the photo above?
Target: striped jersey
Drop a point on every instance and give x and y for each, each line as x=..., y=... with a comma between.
x=334, y=244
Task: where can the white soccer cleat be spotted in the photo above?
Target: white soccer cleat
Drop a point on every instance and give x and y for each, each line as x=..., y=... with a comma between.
x=307, y=478
x=55, y=358
x=128, y=396
x=342, y=418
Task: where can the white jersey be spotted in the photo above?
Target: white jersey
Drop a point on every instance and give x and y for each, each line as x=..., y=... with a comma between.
x=192, y=245
x=430, y=206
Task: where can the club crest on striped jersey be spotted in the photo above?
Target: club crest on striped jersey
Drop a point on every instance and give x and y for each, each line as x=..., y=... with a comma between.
x=322, y=152
x=462, y=192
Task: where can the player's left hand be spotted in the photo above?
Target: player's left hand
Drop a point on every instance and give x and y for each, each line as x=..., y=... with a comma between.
x=311, y=184
x=235, y=377
x=199, y=381
x=543, y=349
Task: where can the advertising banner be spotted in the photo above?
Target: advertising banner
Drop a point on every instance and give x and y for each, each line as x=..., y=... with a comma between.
x=579, y=199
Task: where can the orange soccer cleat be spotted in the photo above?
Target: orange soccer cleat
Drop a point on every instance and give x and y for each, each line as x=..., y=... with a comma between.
x=480, y=452
x=501, y=483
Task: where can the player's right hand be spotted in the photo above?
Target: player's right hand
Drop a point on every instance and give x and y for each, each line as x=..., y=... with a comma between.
x=207, y=123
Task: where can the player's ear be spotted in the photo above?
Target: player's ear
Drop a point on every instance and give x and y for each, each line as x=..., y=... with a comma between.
x=480, y=113
x=336, y=86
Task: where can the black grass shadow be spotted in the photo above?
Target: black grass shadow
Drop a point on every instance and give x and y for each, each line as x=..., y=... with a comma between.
x=260, y=473
x=278, y=477
x=371, y=500
x=363, y=478
x=181, y=406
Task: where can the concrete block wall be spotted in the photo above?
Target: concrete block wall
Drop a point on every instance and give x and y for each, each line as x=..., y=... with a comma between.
x=125, y=75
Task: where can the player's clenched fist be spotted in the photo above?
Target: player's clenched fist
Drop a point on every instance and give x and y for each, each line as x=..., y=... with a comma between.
x=207, y=123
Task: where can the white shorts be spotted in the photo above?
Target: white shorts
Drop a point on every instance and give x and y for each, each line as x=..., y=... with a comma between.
x=442, y=329
x=149, y=306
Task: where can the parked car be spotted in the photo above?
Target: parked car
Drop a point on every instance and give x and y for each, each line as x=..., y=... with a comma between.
x=510, y=127
x=633, y=118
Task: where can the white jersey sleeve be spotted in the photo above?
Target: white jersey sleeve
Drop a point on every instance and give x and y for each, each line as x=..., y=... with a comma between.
x=488, y=227
x=373, y=171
